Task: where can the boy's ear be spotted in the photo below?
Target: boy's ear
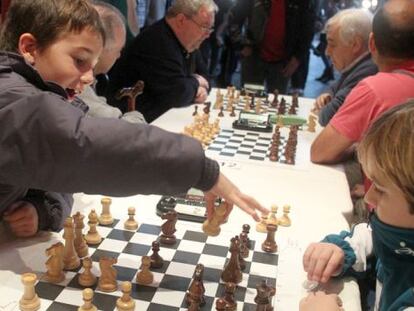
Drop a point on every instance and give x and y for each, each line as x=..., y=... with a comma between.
x=28, y=47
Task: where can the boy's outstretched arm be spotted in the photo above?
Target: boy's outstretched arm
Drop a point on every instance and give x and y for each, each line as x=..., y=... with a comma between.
x=225, y=189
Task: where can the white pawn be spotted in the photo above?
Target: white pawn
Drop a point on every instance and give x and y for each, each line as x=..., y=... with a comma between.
x=272, y=219
x=131, y=224
x=261, y=226
x=125, y=303
x=93, y=237
x=87, y=295
x=285, y=221
x=30, y=301
x=145, y=276
x=106, y=217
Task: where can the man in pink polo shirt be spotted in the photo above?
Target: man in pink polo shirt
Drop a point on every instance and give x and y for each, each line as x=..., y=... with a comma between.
x=391, y=44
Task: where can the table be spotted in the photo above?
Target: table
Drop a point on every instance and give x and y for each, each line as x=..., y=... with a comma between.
x=318, y=195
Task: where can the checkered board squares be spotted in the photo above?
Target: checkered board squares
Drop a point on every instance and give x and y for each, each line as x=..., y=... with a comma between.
x=171, y=282
x=245, y=145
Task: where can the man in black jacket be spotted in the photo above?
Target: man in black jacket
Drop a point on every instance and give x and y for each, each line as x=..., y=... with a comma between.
x=277, y=36
x=166, y=58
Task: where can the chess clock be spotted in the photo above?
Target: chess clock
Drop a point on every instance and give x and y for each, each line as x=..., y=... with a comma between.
x=190, y=206
x=253, y=122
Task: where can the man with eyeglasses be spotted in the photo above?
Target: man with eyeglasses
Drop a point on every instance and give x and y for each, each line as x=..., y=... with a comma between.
x=166, y=57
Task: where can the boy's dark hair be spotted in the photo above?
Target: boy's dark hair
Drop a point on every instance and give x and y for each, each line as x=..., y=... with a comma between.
x=393, y=38
x=46, y=20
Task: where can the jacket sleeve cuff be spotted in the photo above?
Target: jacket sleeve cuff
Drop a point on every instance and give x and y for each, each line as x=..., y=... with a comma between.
x=350, y=257
x=43, y=216
x=209, y=175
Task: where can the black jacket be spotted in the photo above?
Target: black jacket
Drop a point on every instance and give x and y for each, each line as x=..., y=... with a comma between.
x=48, y=143
x=158, y=58
x=253, y=16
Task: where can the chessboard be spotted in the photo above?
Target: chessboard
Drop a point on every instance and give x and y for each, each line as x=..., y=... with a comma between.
x=171, y=282
x=244, y=145
x=232, y=100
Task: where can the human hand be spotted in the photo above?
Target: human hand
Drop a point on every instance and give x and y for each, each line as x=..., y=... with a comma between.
x=22, y=219
x=202, y=81
x=320, y=301
x=321, y=102
x=201, y=95
x=225, y=189
x=246, y=51
x=291, y=67
x=322, y=260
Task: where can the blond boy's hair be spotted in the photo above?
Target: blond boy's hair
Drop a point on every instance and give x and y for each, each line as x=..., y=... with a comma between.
x=46, y=20
x=389, y=143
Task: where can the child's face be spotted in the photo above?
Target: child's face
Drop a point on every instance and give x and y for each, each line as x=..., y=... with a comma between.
x=69, y=60
x=389, y=201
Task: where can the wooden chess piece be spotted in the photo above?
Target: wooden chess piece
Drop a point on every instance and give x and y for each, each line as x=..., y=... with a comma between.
x=80, y=244
x=29, y=301
x=229, y=291
x=70, y=257
x=145, y=276
x=285, y=221
x=168, y=228
x=242, y=262
x=272, y=219
x=244, y=245
x=311, y=123
x=131, y=94
x=232, y=271
x=261, y=226
x=107, y=280
x=269, y=245
x=87, y=278
x=125, y=303
x=156, y=260
x=206, y=108
x=211, y=226
x=130, y=223
x=196, y=289
x=195, y=110
x=106, y=217
x=220, y=304
x=54, y=264
x=87, y=295
x=93, y=237
x=221, y=113
x=262, y=298
x=233, y=112
x=246, y=230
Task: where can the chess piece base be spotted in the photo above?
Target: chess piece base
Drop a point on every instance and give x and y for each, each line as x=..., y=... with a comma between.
x=30, y=305
x=145, y=279
x=54, y=278
x=169, y=240
x=130, y=225
x=106, y=220
x=108, y=287
x=93, y=238
x=93, y=308
x=269, y=247
x=87, y=281
x=210, y=231
x=284, y=222
x=125, y=306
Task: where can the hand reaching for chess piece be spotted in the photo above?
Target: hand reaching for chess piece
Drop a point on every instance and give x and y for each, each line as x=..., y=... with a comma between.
x=225, y=189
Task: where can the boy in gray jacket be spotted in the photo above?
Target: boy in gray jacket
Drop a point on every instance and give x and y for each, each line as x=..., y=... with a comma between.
x=47, y=142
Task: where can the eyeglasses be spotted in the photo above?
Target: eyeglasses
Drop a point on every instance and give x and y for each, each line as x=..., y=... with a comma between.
x=202, y=27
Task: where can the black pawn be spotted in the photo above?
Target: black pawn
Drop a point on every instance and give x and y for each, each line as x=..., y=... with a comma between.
x=156, y=259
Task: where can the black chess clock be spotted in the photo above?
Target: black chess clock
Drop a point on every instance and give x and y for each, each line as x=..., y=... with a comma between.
x=250, y=121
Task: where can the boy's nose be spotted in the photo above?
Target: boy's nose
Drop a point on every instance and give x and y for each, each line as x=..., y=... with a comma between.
x=87, y=77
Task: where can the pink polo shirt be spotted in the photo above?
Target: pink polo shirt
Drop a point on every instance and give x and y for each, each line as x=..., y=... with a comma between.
x=369, y=99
